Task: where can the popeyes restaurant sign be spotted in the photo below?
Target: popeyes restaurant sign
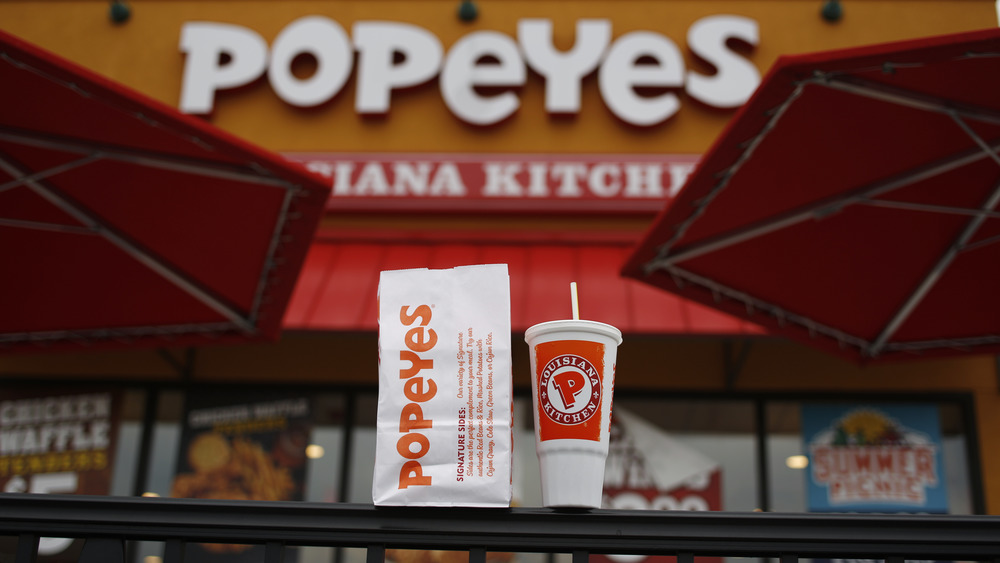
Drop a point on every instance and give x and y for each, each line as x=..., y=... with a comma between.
x=392, y=56
x=640, y=77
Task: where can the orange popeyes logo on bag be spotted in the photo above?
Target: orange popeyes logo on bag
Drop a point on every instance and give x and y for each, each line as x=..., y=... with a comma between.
x=570, y=374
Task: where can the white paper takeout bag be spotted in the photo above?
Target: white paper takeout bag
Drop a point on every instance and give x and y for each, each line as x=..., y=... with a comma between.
x=444, y=400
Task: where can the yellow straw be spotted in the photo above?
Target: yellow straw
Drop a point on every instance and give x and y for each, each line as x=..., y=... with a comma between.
x=576, y=302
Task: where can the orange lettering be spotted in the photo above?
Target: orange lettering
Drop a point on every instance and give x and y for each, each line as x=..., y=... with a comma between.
x=412, y=474
x=404, y=443
x=416, y=364
x=413, y=389
x=413, y=417
x=423, y=312
x=416, y=341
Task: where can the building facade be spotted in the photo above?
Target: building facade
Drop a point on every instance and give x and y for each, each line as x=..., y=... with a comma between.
x=545, y=135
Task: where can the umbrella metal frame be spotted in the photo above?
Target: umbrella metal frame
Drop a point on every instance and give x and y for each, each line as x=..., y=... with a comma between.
x=92, y=224
x=668, y=257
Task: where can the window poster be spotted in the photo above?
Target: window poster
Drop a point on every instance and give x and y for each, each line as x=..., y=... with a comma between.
x=242, y=446
x=874, y=458
x=59, y=443
x=647, y=469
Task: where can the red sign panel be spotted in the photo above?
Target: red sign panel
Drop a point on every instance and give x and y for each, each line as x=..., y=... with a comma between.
x=701, y=493
x=688, y=480
x=515, y=183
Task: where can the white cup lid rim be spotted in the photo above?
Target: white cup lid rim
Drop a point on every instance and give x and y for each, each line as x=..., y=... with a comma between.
x=574, y=324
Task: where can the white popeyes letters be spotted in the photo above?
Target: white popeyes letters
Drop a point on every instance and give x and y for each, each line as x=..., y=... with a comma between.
x=378, y=75
x=620, y=75
x=204, y=72
x=461, y=75
x=563, y=71
x=329, y=45
x=707, y=38
x=481, y=58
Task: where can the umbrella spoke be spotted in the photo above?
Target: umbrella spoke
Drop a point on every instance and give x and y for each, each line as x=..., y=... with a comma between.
x=272, y=249
x=124, y=334
x=928, y=208
x=981, y=243
x=147, y=159
x=54, y=227
x=816, y=210
x=766, y=307
x=65, y=203
x=935, y=273
x=903, y=97
x=955, y=343
x=49, y=172
x=978, y=140
x=748, y=149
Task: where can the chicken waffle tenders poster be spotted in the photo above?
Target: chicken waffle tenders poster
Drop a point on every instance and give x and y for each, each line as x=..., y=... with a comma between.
x=59, y=443
x=244, y=447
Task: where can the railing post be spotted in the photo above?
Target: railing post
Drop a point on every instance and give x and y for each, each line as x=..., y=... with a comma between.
x=173, y=551
x=581, y=556
x=27, y=548
x=685, y=557
x=376, y=553
x=274, y=552
x=477, y=555
x=102, y=550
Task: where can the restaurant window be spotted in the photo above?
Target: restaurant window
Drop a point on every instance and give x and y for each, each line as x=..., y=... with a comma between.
x=696, y=454
x=694, y=451
x=717, y=433
x=246, y=443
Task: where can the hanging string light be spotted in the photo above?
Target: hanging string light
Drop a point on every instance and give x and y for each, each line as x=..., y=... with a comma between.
x=832, y=11
x=119, y=11
x=467, y=11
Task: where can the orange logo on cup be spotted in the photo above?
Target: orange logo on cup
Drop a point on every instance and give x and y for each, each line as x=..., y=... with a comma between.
x=569, y=389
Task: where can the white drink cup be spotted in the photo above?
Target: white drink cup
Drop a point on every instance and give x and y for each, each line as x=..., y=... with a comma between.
x=572, y=382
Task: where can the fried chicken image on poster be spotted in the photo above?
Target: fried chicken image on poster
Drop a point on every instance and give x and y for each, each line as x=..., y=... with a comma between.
x=250, y=447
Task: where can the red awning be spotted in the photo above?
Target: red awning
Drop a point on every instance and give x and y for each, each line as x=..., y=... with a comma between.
x=124, y=222
x=339, y=281
x=853, y=203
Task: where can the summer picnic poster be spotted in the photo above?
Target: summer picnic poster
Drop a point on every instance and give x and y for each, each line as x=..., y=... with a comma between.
x=874, y=458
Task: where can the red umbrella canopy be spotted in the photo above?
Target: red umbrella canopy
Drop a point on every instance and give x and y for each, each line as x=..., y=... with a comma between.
x=852, y=203
x=124, y=221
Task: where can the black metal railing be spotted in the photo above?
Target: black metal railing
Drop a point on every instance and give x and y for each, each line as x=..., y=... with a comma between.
x=107, y=523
